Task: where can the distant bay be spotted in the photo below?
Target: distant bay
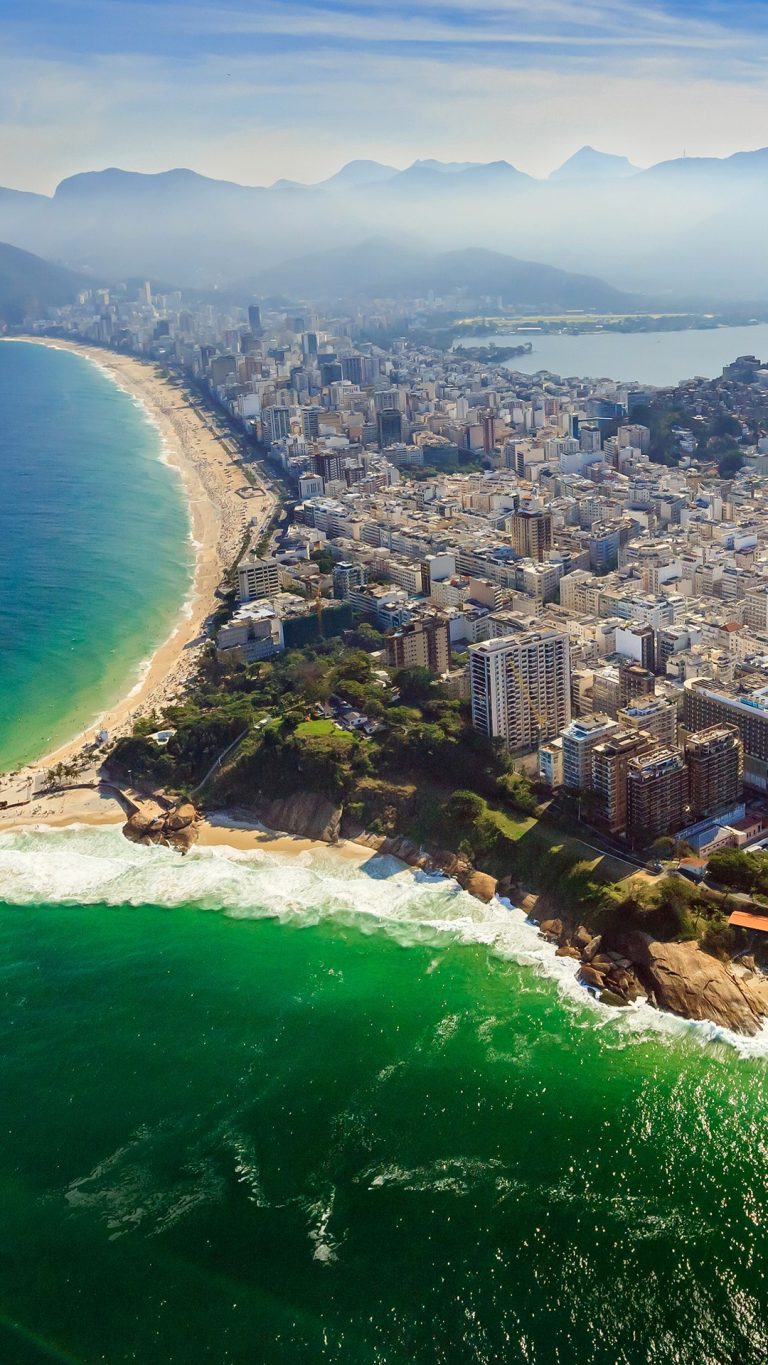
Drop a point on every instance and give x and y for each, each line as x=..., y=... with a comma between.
x=660, y=358
x=95, y=556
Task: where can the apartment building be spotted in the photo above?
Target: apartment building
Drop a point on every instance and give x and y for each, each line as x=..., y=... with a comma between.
x=521, y=688
x=423, y=643
x=707, y=703
x=579, y=740
x=657, y=795
x=610, y=764
x=257, y=577
x=715, y=759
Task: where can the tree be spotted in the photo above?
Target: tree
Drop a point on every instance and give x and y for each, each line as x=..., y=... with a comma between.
x=414, y=684
x=732, y=868
x=730, y=464
x=465, y=808
x=518, y=791
x=355, y=666
x=324, y=560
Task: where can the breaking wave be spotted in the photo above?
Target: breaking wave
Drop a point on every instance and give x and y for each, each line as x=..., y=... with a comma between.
x=97, y=866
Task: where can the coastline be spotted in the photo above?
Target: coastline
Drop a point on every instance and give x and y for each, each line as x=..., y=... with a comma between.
x=94, y=808
x=220, y=504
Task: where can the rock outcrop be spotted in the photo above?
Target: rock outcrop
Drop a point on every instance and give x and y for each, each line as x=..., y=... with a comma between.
x=177, y=827
x=309, y=815
x=685, y=980
x=677, y=977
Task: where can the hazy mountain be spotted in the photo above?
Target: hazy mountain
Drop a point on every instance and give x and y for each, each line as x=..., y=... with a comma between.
x=448, y=167
x=30, y=285
x=350, y=177
x=692, y=226
x=383, y=269
x=424, y=180
x=588, y=164
x=742, y=166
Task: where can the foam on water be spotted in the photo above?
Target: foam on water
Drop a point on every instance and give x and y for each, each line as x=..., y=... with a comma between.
x=88, y=866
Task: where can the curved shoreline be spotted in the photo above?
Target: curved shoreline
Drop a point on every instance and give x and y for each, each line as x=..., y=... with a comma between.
x=220, y=503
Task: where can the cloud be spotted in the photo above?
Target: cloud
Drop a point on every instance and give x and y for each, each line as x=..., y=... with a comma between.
x=294, y=89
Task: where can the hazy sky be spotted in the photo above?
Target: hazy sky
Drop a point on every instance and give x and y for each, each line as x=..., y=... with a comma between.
x=252, y=90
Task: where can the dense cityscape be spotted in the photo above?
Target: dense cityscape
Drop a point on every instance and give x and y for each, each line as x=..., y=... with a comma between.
x=579, y=561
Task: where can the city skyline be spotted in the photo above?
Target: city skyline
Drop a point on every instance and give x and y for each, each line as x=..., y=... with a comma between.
x=258, y=91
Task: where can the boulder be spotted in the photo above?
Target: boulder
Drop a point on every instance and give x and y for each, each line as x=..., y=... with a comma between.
x=582, y=938
x=478, y=884
x=565, y=950
x=591, y=977
x=183, y=839
x=552, y=929
x=180, y=818
x=608, y=997
x=137, y=827
x=691, y=983
x=592, y=948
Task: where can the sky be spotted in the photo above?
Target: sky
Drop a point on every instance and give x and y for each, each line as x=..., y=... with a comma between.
x=255, y=90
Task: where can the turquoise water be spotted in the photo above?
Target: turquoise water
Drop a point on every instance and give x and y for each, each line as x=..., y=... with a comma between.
x=258, y=1109
x=95, y=559
x=649, y=357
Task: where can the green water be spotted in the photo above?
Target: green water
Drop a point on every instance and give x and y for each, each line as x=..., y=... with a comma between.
x=95, y=559
x=335, y=1119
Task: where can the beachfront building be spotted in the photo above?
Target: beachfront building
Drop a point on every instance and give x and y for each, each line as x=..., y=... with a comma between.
x=257, y=577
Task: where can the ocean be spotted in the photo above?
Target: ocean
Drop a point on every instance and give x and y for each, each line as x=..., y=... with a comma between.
x=262, y=1108
x=271, y=1110
x=95, y=556
x=660, y=358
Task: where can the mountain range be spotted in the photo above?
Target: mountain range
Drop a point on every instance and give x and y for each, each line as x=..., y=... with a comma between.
x=383, y=269
x=693, y=225
x=30, y=285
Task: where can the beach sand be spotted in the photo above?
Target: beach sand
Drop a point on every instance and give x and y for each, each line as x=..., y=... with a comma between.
x=221, y=501
x=97, y=807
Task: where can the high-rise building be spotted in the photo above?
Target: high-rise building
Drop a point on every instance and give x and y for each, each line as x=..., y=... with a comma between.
x=610, y=761
x=310, y=421
x=329, y=467
x=707, y=703
x=330, y=372
x=531, y=532
x=347, y=575
x=423, y=643
x=638, y=645
x=634, y=681
x=254, y=320
x=311, y=486
x=389, y=427
x=655, y=715
x=257, y=577
x=521, y=687
x=756, y=608
x=657, y=796
x=715, y=759
x=276, y=423
x=579, y=739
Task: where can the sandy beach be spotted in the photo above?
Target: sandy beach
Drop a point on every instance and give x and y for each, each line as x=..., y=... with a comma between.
x=96, y=807
x=222, y=503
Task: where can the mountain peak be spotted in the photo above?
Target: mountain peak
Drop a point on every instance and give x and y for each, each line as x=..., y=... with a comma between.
x=589, y=164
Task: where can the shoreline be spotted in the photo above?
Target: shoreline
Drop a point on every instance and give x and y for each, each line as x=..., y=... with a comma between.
x=233, y=835
x=94, y=808
x=220, y=504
